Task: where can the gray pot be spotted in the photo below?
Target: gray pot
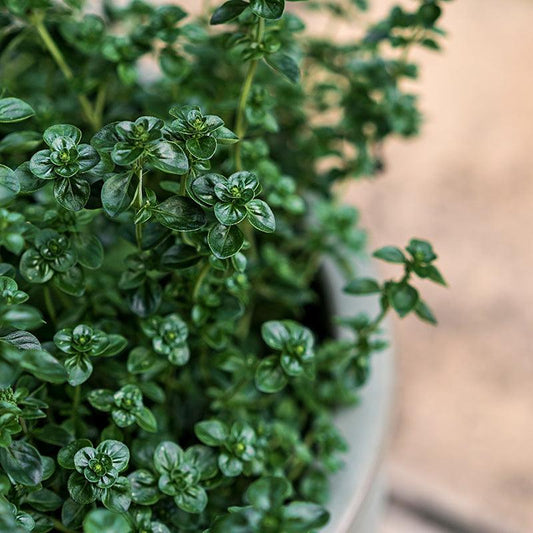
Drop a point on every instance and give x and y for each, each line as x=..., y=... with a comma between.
x=358, y=490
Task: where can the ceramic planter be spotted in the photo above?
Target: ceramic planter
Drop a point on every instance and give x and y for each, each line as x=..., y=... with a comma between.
x=358, y=490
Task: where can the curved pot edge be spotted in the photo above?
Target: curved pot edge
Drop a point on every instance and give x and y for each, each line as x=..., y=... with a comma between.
x=357, y=490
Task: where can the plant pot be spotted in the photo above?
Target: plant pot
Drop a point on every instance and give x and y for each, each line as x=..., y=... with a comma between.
x=358, y=489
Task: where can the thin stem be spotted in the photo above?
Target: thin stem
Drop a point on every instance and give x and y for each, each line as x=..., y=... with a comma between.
x=99, y=105
x=240, y=125
x=75, y=408
x=200, y=280
x=60, y=527
x=140, y=201
x=49, y=304
x=63, y=66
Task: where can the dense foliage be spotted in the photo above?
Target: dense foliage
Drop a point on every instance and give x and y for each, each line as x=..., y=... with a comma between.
x=167, y=195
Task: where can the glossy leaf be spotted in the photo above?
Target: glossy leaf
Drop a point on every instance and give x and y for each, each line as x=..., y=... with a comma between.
x=228, y=11
x=14, y=110
x=180, y=214
x=285, y=65
x=225, y=241
x=268, y=9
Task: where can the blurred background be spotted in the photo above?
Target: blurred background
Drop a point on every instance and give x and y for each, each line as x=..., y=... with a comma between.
x=461, y=453
x=462, y=447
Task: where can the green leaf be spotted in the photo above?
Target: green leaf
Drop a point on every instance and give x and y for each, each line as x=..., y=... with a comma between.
x=89, y=250
x=168, y=157
x=174, y=65
x=79, y=368
x=117, y=451
x=225, y=241
x=43, y=366
x=22, y=340
x=229, y=214
x=421, y=250
x=80, y=489
x=101, y=399
x=230, y=466
x=260, y=216
x=275, y=334
x=62, y=130
x=23, y=316
x=116, y=344
x=166, y=456
x=362, y=286
x=291, y=365
x=391, y=254
x=117, y=193
x=72, y=514
x=125, y=154
x=9, y=185
x=104, y=521
x=224, y=135
x=71, y=282
x=28, y=181
x=44, y=500
x=304, y=516
x=33, y=268
x=403, y=298
x=424, y=312
x=285, y=65
x=268, y=9
x=203, y=188
x=42, y=166
x=65, y=457
x=228, y=11
x=268, y=493
x=429, y=272
x=192, y=500
x=22, y=463
x=118, y=497
x=204, y=459
x=72, y=193
x=141, y=360
x=53, y=434
x=14, y=110
x=146, y=420
x=20, y=141
x=269, y=376
x=179, y=213
x=144, y=490
x=211, y=432
x=202, y=147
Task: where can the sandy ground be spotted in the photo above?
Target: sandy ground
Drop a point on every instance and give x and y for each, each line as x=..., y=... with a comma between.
x=464, y=424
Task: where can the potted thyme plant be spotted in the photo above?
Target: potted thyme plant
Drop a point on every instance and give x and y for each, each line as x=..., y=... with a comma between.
x=168, y=194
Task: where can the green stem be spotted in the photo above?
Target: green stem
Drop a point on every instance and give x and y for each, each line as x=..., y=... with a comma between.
x=199, y=281
x=240, y=124
x=75, y=408
x=99, y=105
x=49, y=304
x=60, y=527
x=139, y=203
x=63, y=66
